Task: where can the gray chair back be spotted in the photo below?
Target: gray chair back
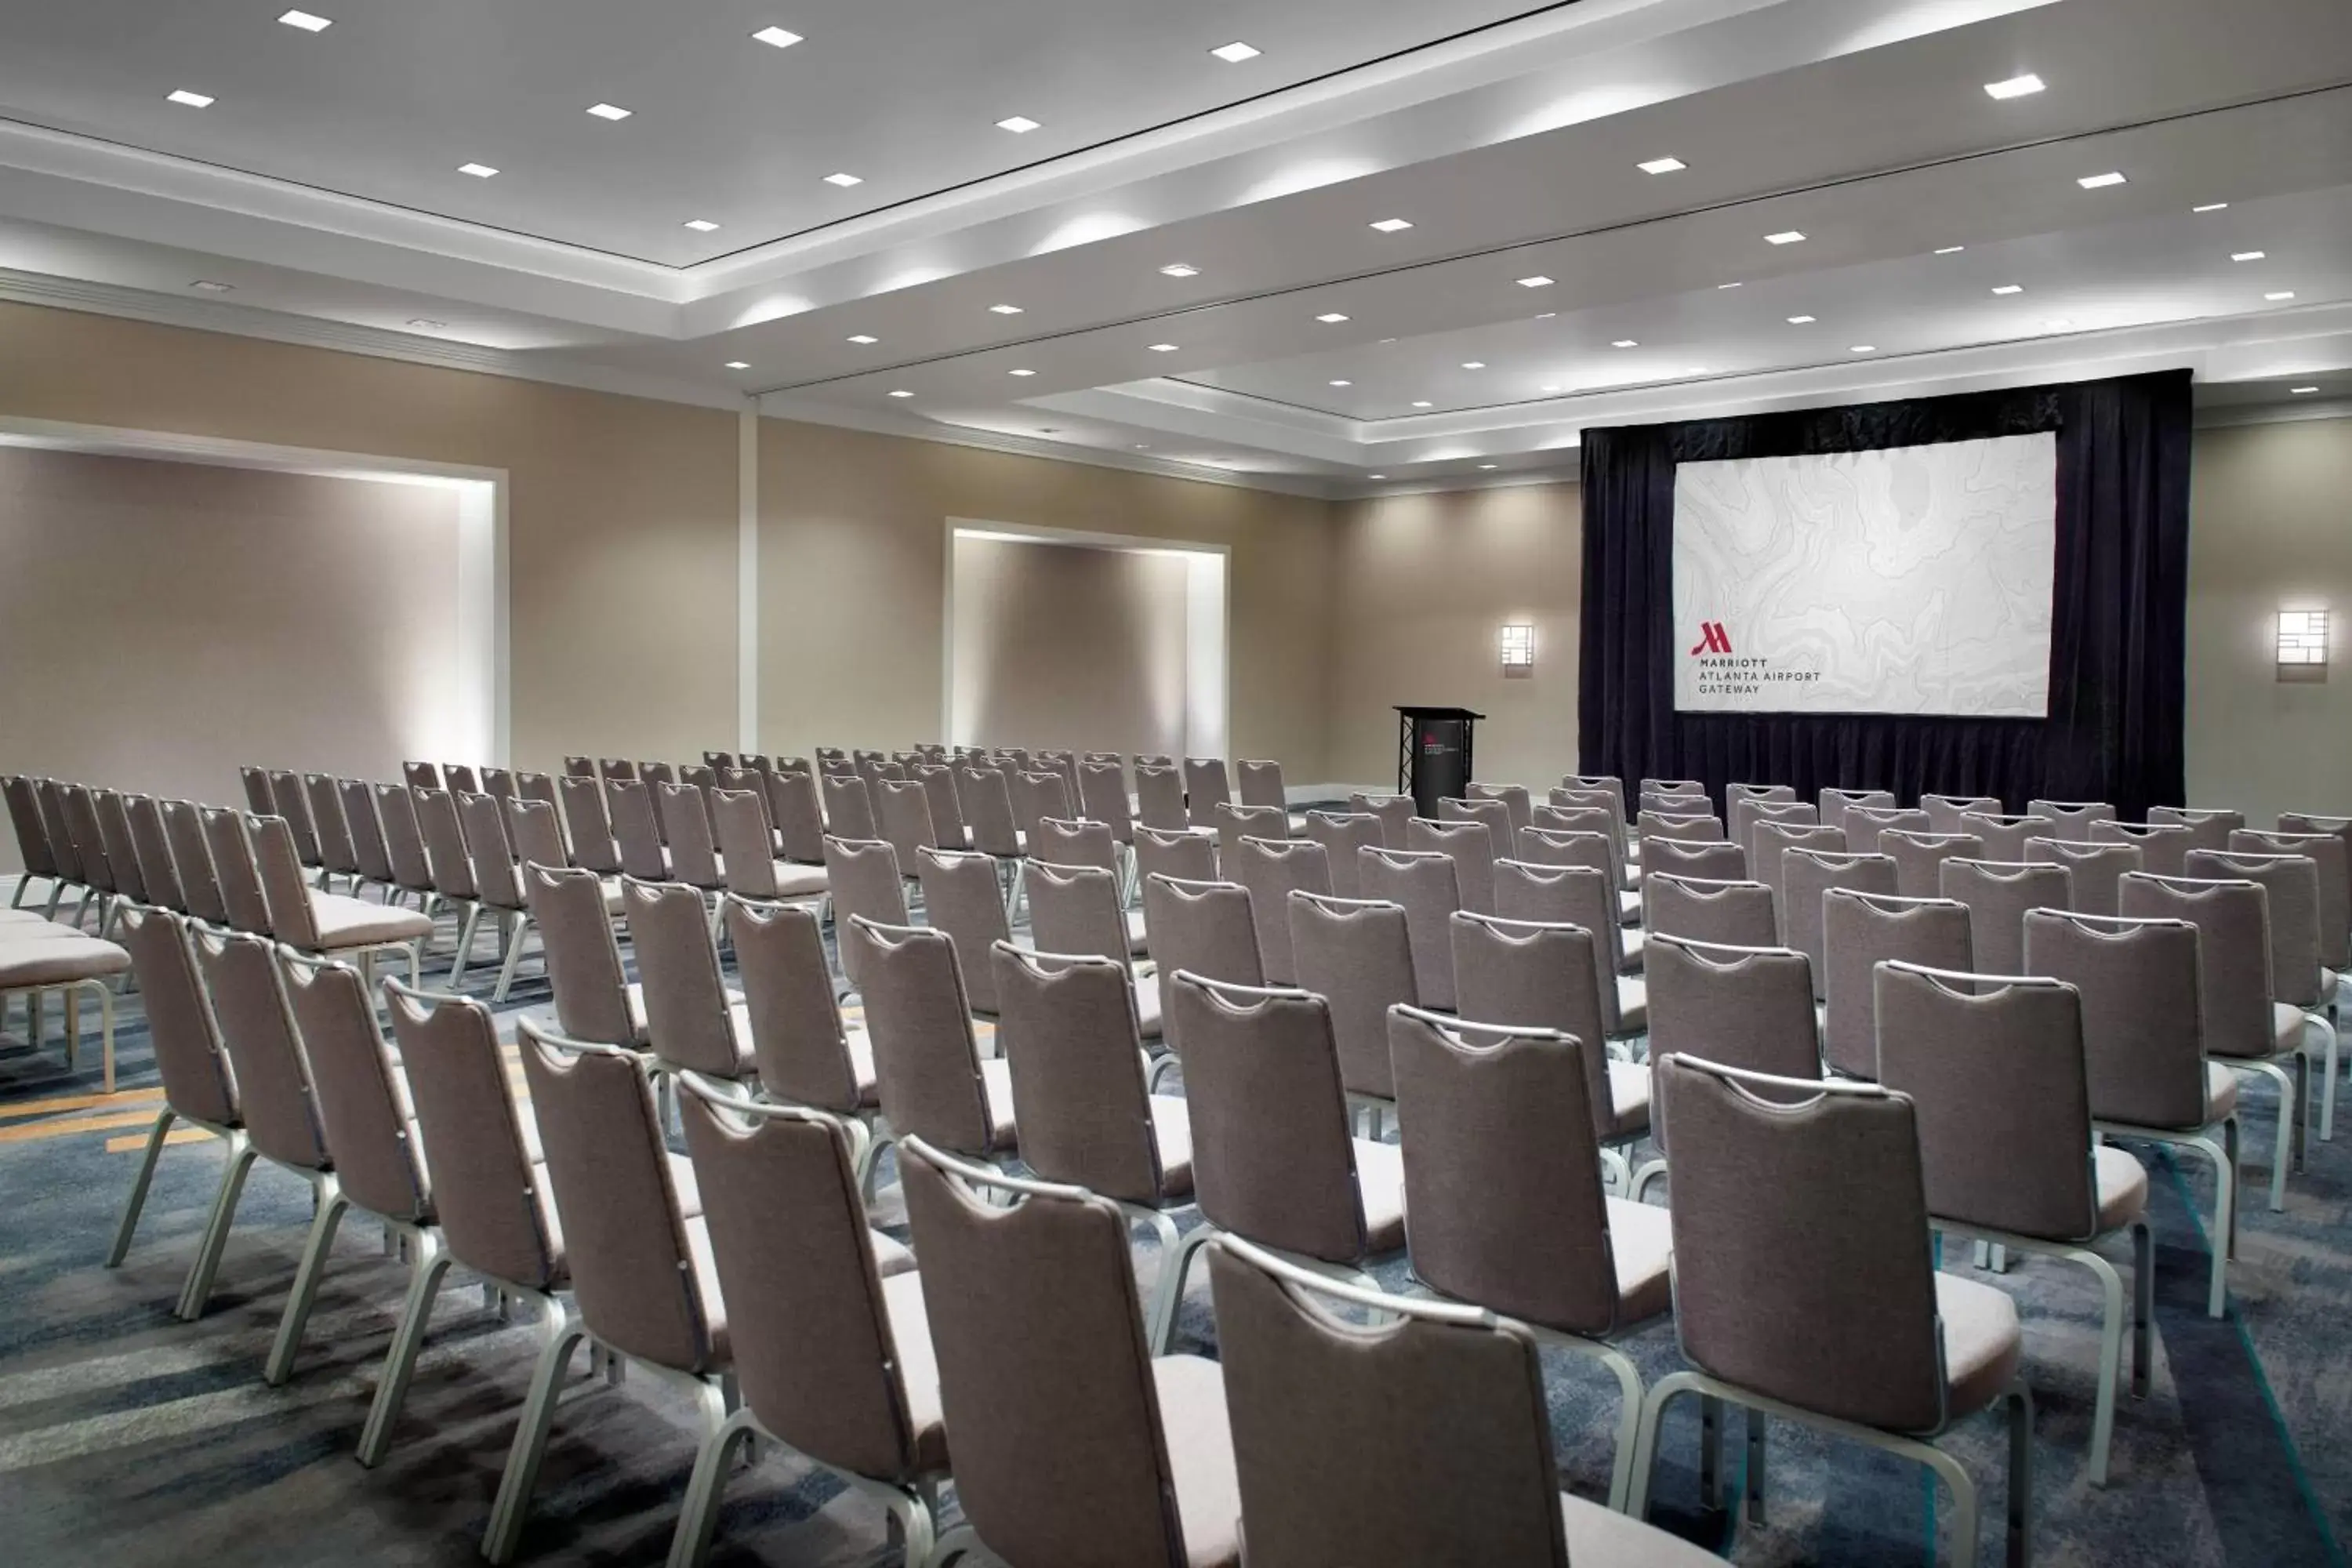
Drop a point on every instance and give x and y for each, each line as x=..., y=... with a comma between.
x=1994, y=1072
x=265, y=1053
x=292, y=918
x=1036, y=796
x=1998, y=893
x=50, y=796
x=2094, y=870
x=1356, y=955
x=459, y=778
x=288, y=799
x=1043, y=1372
x=1692, y=787
x=1703, y=828
x=630, y=1250
x=242, y=898
x=2005, y=837
x=2291, y=885
x=196, y=1078
x=905, y=808
x=362, y=1094
x=1522, y=974
x=1516, y=803
x=1601, y=783
x=1394, y=812
x=1271, y=1157
x=746, y=843
x=865, y=878
x=2297, y=822
x=1234, y=823
x=444, y=844
x=1421, y=882
x=2326, y=853
x=1920, y=857
x=797, y=811
x=683, y=810
x=1074, y=910
x=1744, y=808
x=1773, y=838
x=1724, y=913
x=536, y=834
x=798, y=1040
x=808, y=1325
x=2071, y=819
x=121, y=854
x=586, y=813
x=1062, y=842
x=1272, y=869
x=1569, y=895
x=618, y=768
x=687, y=1011
x=584, y=960
x=1102, y=797
x=32, y=834
x=1748, y=1007
x=1578, y=838
x=1181, y=853
x=1260, y=783
x=1806, y=875
x=1504, y=1205
x=1205, y=789
x=1794, y=813
x=1709, y=860
x=2234, y=954
x=89, y=843
x=1159, y=797
x=1494, y=812
x=1069, y=1035
x=987, y=805
x=1208, y=928
x=1835, y=802
x=2209, y=826
x=1802, y=1263
x=918, y=1019
x=1471, y=847
x=937, y=780
x=337, y=853
x=1342, y=833
x=2143, y=1053
x=849, y=809
x=192, y=857
x=490, y=1195
x=961, y=898
x=1860, y=931
x=1944, y=811
x=489, y=851
x=152, y=844
x=1864, y=824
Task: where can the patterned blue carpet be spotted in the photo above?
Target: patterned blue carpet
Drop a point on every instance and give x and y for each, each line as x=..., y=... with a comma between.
x=128, y=1439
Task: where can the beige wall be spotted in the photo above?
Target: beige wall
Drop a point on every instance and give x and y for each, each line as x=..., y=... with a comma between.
x=1069, y=646
x=169, y=621
x=854, y=543
x=2270, y=530
x=622, y=512
x=1420, y=586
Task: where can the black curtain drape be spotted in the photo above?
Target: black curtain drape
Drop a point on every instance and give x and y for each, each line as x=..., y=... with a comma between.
x=2117, y=646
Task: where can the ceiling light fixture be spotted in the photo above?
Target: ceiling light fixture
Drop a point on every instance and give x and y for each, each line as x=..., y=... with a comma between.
x=479, y=171
x=844, y=180
x=1625, y=344
x=1163, y=347
x=2009, y=288
x=1393, y=225
x=1005, y=310
x=206, y=285
x=2014, y=87
x=1950, y=249
x=426, y=323
x=2212, y=207
x=1801, y=320
x=1786, y=236
x=1726, y=286
x=1343, y=383
x=1019, y=124
x=700, y=224
x=1487, y=467
x=1474, y=364
x=2101, y=182
x=1376, y=476
x=1234, y=53
x=1330, y=317
x=1181, y=269
x=777, y=37
x=608, y=111
x=1538, y=282
x=1861, y=348
x=864, y=338
x=738, y=364
x=2302, y=391
x=2275, y=295
x=183, y=97
x=307, y=22
x=1020, y=372
x=900, y=392
x=1423, y=403
x=1662, y=166
x=2247, y=255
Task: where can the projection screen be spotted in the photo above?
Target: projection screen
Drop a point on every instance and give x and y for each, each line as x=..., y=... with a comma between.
x=1909, y=580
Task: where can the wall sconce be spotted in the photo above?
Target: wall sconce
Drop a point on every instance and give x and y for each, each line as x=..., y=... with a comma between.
x=2302, y=645
x=1519, y=647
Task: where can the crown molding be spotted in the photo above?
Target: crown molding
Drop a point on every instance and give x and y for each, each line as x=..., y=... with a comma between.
x=2220, y=417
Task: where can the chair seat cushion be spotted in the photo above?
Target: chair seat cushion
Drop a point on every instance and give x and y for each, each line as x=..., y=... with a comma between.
x=1379, y=1182
x=1633, y=949
x=345, y=921
x=1981, y=1342
x=996, y=1082
x=891, y=1258
x=1171, y=1130
x=57, y=960
x=861, y=1063
x=794, y=881
x=1599, y=1535
x=37, y=929
x=1629, y=1097
x=1628, y=907
x=1147, y=1008
x=2123, y=1187
x=1200, y=1469
x=1136, y=945
x=1641, y=1239
x=919, y=1368
x=2220, y=1092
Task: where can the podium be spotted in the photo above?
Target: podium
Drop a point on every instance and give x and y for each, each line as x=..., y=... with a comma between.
x=1434, y=754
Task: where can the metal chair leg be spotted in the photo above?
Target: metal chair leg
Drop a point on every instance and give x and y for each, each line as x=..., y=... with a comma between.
x=332, y=1205
x=1169, y=1298
x=199, y=1287
x=465, y=943
x=689, y=1546
x=521, y=924
x=139, y=1185
x=428, y=1266
x=529, y=1444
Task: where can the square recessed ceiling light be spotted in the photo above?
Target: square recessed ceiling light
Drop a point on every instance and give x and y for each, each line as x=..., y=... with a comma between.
x=1726, y=286
x=1020, y=372
x=1861, y=348
x=777, y=37
x=1950, y=249
x=1376, y=476
x=1019, y=124
x=1181, y=269
x=2101, y=182
x=1423, y=403
x=1801, y=320
x=844, y=180
x=190, y=100
x=1662, y=166
x=2009, y=288
x=1330, y=316
x=1538, y=282
x=1540, y=316
x=2014, y=87
x=428, y=324
x=2275, y=295
x=1343, y=383
x=1163, y=347
x=2212, y=207
x=1393, y=225
x=2302, y=391
x=1485, y=467
x=206, y=285
x=700, y=224
x=479, y=171
x=900, y=392
x=738, y=364
x=1234, y=53
x=307, y=22
x=864, y=338
x=1625, y=344
x=608, y=111
x=1474, y=364
x=1005, y=310
x=2247, y=255
x=1786, y=236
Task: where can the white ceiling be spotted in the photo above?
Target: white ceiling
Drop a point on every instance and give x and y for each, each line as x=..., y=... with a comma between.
x=321, y=187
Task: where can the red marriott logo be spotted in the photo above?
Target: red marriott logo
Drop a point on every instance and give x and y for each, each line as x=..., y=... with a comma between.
x=1712, y=639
